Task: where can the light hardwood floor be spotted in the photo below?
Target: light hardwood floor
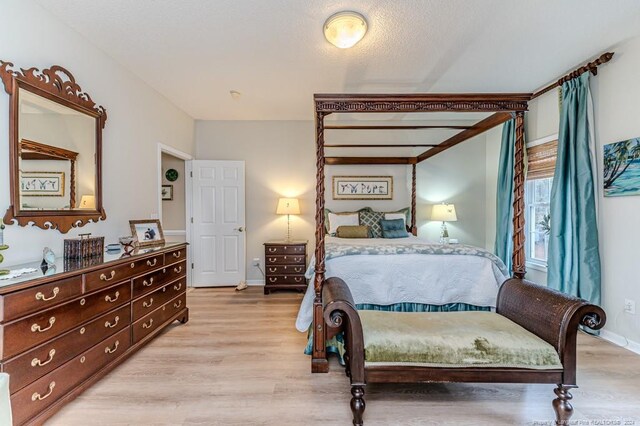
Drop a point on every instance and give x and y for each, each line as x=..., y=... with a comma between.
x=239, y=361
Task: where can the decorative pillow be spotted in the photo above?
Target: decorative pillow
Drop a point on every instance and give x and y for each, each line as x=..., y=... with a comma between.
x=326, y=218
x=406, y=212
x=346, y=231
x=336, y=220
x=372, y=220
x=396, y=216
x=394, y=228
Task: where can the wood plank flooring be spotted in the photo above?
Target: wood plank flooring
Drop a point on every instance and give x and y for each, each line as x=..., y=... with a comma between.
x=239, y=361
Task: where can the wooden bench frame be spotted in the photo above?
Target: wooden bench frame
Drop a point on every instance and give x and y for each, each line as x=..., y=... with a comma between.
x=549, y=314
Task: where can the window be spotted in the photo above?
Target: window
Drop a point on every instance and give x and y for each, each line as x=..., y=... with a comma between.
x=541, y=162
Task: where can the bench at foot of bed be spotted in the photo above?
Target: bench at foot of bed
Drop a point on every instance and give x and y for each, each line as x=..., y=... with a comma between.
x=531, y=338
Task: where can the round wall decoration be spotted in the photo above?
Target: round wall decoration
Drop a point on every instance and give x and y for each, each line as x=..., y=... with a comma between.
x=171, y=175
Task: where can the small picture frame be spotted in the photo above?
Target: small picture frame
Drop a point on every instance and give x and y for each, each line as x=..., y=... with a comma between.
x=167, y=192
x=148, y=232
x=362, y=187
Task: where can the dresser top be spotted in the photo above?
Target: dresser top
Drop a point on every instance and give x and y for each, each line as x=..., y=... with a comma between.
x=285, y=242
x=63, y=269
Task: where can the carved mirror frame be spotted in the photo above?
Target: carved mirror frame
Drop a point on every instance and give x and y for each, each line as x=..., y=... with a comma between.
x=58, y=85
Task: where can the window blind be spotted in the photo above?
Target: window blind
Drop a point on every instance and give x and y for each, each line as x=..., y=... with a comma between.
x=541, y=160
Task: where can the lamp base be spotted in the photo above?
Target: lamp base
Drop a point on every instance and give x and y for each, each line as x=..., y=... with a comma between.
x=444, y=234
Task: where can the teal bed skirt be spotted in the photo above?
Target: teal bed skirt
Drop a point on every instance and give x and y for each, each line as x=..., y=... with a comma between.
x=335, y=345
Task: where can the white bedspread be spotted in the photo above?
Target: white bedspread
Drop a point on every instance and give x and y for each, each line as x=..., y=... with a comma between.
x=385, y=279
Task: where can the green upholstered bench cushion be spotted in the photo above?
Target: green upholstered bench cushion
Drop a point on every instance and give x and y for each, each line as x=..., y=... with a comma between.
x=452, y=339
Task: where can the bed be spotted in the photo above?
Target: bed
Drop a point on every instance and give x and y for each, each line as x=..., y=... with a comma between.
x=408, y=274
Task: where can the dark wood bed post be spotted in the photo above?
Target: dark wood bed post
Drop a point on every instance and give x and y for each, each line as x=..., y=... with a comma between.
x=518, y=257
x=414, y=229
x=319, y=362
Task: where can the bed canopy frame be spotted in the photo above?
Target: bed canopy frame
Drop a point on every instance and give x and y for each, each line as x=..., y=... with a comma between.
x=504, y=107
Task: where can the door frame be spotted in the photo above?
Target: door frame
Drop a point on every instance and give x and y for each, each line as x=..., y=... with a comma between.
x=162, y=148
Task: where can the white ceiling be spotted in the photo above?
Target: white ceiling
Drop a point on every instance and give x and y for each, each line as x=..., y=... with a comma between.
x=273, y=51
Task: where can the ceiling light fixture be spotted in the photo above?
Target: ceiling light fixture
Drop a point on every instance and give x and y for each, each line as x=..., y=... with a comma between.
x=345, y=29
x=235, y=94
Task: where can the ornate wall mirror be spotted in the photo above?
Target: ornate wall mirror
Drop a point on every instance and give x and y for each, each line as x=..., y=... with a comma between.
x=55, y=134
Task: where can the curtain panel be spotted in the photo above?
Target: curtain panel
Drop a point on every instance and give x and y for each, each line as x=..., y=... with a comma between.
x=504, y=195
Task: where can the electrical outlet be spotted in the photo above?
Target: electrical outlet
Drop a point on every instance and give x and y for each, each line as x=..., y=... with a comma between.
x=256, y=261
x=630, y=306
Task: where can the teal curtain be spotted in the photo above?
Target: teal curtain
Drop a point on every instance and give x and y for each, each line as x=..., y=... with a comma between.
x=574, y=259
x=504, y=195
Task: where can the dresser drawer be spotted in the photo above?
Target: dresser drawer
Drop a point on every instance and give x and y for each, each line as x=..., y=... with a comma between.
x=285, y=260
x=32, y=365
x=286, y=279
x=21, y=303
x=175, y=256
x=155, y=319
x=28, y=332
x=285, y=270
x=151, y=301
x=282, y=249
x=156, y=279
x=106, y=276
x=36, y=397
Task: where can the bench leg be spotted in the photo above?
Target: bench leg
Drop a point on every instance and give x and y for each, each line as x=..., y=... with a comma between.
x=357, y=404
x=561, y=404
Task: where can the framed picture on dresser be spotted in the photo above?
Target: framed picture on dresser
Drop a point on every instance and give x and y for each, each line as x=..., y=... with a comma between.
x=148, y=232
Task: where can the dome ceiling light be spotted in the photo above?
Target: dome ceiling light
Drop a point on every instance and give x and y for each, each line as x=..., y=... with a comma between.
x=345, y=29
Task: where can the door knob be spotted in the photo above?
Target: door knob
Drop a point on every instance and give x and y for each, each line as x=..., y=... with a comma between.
x=240, y=229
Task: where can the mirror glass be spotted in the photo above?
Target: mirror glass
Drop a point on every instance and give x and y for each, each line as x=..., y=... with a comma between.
x=57, y=155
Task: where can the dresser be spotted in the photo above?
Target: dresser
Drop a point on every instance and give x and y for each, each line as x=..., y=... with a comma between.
x=63, y=329
x=285, y=264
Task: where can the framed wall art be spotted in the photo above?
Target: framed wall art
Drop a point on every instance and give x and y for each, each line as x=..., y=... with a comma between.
x=621, y=171
x=362, y=187
x=148, y=232
x=167, y=192
x=42, y=184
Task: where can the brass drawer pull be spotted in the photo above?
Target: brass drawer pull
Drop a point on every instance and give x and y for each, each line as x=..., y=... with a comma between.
x=108, y=298
x=145, y=325
x=272, y=259
x=272, y=249
x=272, y=270
x=178, y=254
x=40, y=296
x=133, y=265
x=149, y=283
x=298, y=279
x=147, y=305
x=149, y=263
x=37, y=363
x=177, y=287
x=273, y=280
x=107, y=324
x=36, y=327
x=177, y=304
x=109, y=350
x=297, y=269
x=103, y=277
x=177, y=270
x=37, y=397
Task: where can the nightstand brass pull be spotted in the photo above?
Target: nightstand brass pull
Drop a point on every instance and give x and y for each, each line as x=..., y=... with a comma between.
x=177, y=287
x=297, y=269
x=37, y=328
x=145, y=325
x=177, y=270
x=40, y=296
x=107, y=324
x=149, y=263
x=147, y=305
x=298, y=279
x=178, y=254
x=103, y=277
x=272, y=249
x=273, y=280
x=109, y=350
x=148, y=283
x=37, y=397
x=272, y=270
x=108, y=298
x=37, y=363
x=272, y=259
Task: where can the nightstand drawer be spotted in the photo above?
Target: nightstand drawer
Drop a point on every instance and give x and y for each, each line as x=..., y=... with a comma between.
x=284, y=260
x=285, y=269
x=286, y=279
x=280, y=249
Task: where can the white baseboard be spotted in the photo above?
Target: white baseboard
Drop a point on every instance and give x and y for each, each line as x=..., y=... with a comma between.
x=619, y=340
x=255, y=282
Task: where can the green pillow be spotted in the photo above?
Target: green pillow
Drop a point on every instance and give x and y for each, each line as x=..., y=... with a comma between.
x=347, y=231
x=393, y=228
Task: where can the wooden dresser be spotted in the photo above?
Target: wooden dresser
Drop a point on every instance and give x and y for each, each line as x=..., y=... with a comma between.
x=61, y=333
x=285, y=264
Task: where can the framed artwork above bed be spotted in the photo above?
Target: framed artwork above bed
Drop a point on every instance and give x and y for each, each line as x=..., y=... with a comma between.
x=362, y=187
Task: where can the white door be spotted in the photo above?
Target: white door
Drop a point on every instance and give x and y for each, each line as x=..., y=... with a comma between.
x=217, y=233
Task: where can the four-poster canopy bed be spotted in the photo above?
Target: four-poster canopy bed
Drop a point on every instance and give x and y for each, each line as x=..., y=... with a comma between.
x=504, y=108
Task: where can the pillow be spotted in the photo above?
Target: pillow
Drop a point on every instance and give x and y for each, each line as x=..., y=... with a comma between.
x=336, y=220
x=406, y=212
x=326, y=218
x=346, y=231
x=372, y=220
x=396, y=216
x=393, y=228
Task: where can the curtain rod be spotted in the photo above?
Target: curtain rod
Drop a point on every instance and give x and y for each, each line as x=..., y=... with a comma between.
x=591, y=66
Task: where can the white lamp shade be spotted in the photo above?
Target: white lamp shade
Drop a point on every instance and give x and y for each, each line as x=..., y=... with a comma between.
x=345, y=29
x=444, y=213
x=88, y=202
x=288, y=206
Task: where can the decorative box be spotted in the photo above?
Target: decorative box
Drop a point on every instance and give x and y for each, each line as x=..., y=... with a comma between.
x=83, y=247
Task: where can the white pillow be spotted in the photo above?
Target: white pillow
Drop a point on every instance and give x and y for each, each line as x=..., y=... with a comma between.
x=393, y=216
x=335, y=220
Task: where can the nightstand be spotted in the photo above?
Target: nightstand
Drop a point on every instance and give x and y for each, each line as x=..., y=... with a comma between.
x=285, y=263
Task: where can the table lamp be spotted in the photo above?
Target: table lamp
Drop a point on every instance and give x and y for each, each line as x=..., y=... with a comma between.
x=445, y=213
x=288, y=206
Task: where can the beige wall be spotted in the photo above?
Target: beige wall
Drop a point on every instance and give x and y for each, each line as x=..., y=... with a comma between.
x=138, y=119
x=173, y=211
